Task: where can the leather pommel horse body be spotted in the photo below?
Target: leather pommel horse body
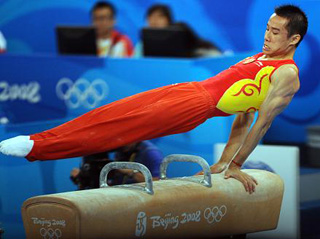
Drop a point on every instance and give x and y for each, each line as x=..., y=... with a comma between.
x=206, y=206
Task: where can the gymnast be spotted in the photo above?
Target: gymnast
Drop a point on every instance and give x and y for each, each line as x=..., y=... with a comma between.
x=265, y=82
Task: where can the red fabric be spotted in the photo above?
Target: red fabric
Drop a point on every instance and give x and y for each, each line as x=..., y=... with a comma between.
x=117, y=37
x=167, y=110
x=245, y=69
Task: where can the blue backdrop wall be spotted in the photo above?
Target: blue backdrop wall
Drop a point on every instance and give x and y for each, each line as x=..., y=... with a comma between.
x=232, y=25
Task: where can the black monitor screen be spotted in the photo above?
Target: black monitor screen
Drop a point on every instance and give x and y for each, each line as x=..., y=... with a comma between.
x=76, y=40
x=172, y=41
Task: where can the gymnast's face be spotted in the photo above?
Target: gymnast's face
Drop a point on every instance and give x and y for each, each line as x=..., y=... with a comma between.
x=276, y=38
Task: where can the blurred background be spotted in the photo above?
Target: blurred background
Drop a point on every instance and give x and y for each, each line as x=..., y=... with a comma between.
x=47, y=78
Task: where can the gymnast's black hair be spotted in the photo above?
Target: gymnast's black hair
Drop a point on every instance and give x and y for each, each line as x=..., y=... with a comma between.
x=104, y=4
x=297, y=20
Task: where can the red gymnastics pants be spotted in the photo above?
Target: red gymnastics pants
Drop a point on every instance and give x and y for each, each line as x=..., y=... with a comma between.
x=163, y=111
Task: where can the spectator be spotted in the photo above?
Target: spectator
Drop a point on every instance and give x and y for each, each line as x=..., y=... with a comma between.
x=158, y=16
x=87, y=176
x=109, y=41
x=202, y=47
x=144, y=152
x=3, y=43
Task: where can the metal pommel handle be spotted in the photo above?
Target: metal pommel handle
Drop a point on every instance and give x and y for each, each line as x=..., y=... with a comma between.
x=187, y=158
x=127, y=165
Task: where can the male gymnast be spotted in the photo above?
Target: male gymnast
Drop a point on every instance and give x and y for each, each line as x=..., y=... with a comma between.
x=265, y=82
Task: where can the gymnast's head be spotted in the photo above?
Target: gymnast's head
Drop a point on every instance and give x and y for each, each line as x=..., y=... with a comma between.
x=285, y=30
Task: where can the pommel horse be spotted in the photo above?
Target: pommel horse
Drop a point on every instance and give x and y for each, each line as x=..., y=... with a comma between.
x=203, y=206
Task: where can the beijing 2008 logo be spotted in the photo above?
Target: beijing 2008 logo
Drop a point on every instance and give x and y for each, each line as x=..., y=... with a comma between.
x=141, y=224
x=82, y=93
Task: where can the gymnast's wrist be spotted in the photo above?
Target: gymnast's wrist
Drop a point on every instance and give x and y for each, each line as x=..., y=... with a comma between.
x=236, y=164
x=238, y=160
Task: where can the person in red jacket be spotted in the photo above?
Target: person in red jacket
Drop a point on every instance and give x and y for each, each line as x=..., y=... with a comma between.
x=265, y=82
x=109, y=41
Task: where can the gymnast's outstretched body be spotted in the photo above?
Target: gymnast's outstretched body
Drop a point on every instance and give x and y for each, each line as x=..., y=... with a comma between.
x=265, y=82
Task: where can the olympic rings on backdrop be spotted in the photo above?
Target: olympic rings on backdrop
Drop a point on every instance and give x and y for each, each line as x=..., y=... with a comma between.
x=82, y=92
x=50, y=233
x=215, y=214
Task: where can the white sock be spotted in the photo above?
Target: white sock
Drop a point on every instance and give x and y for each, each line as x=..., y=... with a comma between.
x=19, y=146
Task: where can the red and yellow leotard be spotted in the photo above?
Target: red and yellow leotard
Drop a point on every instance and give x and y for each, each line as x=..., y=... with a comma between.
x=171, y=109
x=242, y=87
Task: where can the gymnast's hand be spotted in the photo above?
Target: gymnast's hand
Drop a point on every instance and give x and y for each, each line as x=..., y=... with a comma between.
x=219, y=167
x=216, y=168
x=248, y=181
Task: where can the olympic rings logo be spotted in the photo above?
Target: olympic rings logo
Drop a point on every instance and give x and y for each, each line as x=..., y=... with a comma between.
x=82, y=92
x=215, y=214
x=50, y=233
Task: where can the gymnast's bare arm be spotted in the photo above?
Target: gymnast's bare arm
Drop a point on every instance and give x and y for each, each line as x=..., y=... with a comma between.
x=239, y=131
x=284, y=84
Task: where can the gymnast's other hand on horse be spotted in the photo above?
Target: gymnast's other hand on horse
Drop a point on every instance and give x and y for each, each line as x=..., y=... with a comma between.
x=248, y=181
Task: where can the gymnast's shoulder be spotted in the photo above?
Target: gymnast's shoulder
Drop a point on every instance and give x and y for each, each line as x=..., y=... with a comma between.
x=287, y=74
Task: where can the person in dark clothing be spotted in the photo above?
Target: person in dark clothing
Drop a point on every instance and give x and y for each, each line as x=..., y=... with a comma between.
x=144, y=152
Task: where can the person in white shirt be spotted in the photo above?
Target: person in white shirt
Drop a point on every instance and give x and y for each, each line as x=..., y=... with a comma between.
x=109, y=41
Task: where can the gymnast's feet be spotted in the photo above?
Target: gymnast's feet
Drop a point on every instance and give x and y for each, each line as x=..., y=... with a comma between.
x=19, y=146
